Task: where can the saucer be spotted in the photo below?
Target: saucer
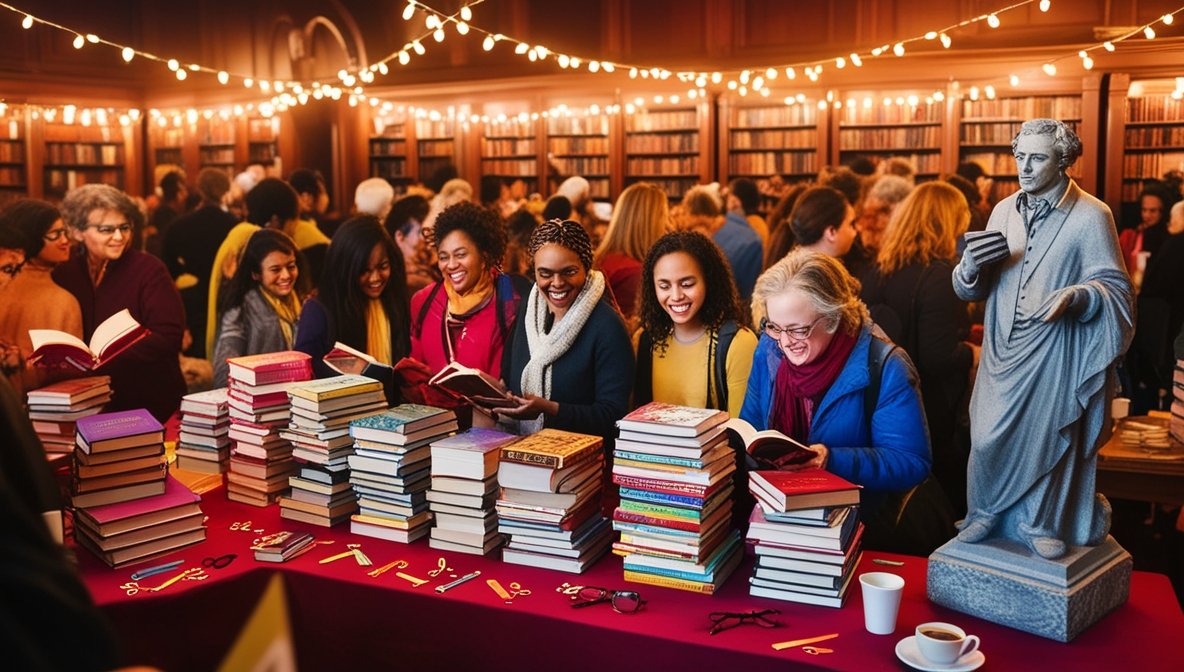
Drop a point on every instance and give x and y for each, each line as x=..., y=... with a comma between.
x=907, y=651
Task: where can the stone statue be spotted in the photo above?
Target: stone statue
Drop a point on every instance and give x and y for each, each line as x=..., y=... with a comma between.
x=1059, y=314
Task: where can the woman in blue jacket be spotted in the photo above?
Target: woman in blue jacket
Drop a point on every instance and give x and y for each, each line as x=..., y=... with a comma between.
x=811, y=375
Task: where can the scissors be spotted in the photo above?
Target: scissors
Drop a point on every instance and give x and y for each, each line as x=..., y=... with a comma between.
x=219, y=562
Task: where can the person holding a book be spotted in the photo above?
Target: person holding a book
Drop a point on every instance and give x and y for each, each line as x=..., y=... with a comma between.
x=640, y=218
x=818, y=357
x=569, y=364
x=692, y=349
x=107, y=276
x=468, y=316
x=362, y=299
x=261, y=304
x=33, y=299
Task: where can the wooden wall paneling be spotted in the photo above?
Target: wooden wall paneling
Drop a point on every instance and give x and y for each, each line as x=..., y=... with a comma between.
x=825, y=139
x=1114, y=92
x=725, y=119
x=1090, y=132
x=952, y=130
x=355, y=128
x=616, y=150
x=707, y=125
x=411, y=135
x=35, y=156
x=242, y=150
x=133, y=151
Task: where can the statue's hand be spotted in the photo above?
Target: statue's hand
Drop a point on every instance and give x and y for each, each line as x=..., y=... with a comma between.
x=1067, y=302
x=968, y=268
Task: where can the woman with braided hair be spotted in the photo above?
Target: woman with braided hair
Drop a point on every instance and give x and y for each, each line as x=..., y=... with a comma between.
x=569, y=364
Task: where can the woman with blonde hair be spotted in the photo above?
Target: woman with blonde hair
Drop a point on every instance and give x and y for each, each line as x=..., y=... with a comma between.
x=911, y=297
x=640, y=218
x=824, y=374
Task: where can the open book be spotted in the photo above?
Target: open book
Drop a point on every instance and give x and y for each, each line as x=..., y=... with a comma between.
x=467, y=383
x=116, y=334
x=770, y=449
x=346, y=360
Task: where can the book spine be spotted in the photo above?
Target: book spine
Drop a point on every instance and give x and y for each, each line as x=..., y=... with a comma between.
x=658, y=459
x=634, y=517
x=660, y=485
x=661, y=498
x=669, y=582
x=537, y=459
x=663, y=512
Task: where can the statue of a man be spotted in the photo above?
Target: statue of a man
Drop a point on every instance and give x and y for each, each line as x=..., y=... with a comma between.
x=1058, y=316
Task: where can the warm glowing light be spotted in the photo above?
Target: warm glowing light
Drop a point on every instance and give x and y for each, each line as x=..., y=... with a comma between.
x=993, y=21
x=466, y=13
x=856, y=60
x=173, y=64
x=409, y=11
x=128, y=54
x=182, y=74
x=1050, y=69
x=1149, y=32
x=898, y=49
x=27, y=22
x=223, y=77
x=1109, y=46
x=79, y=41
x=946, y=41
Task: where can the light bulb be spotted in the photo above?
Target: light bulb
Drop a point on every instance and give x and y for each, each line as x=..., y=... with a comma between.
x=1168, y=19
x=1045, y=4
x=438, y=35
x=27, y=22
x=856, y=60
x=223, y=77
x=79, y=41
x=487, y=44
x=946, y=41
x=173, y=64
x=898, y=49
x=409, y=11
x=1149, y=32
x=466, y=13
x=128, y=54
x=1050, y=69
x=182, y=74
x=1109, y=46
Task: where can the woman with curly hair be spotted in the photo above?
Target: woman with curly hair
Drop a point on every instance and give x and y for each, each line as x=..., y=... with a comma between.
x=569, y=364
x=692, y=349
x=467, y=316
x=640, y=218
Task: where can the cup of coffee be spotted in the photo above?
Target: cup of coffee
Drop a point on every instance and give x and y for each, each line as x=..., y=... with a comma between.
x=943, y=643
x=881, y=601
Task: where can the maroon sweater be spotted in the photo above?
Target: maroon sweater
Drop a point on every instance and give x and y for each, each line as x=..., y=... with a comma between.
x=148, y=374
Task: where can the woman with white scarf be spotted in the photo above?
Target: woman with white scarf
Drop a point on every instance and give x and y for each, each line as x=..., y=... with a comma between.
x=570, y=361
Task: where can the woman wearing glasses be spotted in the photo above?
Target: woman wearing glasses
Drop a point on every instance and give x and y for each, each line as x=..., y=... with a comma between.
x=107, y=275
x=818, y=355
x=33, y=300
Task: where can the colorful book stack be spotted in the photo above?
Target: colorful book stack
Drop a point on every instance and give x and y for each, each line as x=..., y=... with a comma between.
x=203, y=444
x=54, y=409
x=141, y=529
x=551, y=484
x=390, y=470
x=1176, y=422
x=464, y=491
x=674, y=468
x=321, y=411
x=118, y=458
x=260, y=459
x=807, y=533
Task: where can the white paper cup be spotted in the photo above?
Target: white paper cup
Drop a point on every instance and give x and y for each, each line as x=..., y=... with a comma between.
x=881, y=601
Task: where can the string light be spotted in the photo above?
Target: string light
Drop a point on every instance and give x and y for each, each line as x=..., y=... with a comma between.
x=993, y=21
x=1045, y=5
x=79, y=41
x=27, y=22
x=128, y=54
x=1149, y=32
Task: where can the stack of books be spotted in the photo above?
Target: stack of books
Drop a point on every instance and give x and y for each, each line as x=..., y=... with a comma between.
x=1176, y=422
x=675, y=470
x=321, y=411
x=390, y=470
x=204, y=441
x=807, y=533
x=54, y=409
x=551, y=484
x=141, y=529
x=118, y=458
x=260, y=459
x=464, y=491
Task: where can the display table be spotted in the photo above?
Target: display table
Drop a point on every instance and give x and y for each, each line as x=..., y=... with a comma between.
x=344, y=619
x=1141, y=474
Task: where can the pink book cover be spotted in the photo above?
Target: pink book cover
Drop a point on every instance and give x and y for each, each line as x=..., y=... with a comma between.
x=69, y=388
x=105, y=426
x=288, y=360
x=477, y=439
x=659, y=413
x=175, y=494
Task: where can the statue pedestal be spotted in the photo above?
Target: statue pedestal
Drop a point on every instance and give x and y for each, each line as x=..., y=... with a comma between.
x=1003, y=582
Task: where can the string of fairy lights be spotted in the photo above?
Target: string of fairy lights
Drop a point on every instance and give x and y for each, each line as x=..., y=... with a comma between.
x=350, y=85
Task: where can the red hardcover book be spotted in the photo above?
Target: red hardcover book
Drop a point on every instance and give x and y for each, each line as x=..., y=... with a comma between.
x=116, y=334
x=272, y=367
x=804, y=489
x=176, y=502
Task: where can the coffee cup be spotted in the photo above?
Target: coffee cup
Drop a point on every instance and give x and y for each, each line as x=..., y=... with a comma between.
x=881, y=601
x=944, y=643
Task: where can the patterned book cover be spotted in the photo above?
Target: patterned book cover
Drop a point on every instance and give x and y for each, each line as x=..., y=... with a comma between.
x=209, y=402
x=107, y=426
x=271, y=367
x=69, y=388
x=403, y=418
x=668, y=418
x=551, y=448
x=334, y=388
x=477, y=439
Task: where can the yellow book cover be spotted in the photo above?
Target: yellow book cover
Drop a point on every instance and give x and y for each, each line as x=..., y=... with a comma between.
x=668, y=582
x=552, y=448
x=334, y=388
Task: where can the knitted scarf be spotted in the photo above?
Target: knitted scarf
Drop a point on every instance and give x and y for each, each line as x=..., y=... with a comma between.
x=287, y=309
x=378, y=332
x=460, y=306
x=546, y=348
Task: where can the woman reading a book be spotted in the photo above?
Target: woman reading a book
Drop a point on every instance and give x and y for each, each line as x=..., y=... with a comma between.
x=910, y=293
x=362, y=300
x=818, y=361
x=569, y=364
x=692, y=349
x=106, y=275
x=261, y=303
x=33, y=300
x=467, y=317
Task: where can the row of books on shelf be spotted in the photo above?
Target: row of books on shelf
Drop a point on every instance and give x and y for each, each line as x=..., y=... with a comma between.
x=510, y=167
x=67, y=153
x=435, y=148
x=994, y=133
x=12, y=152
x=1176, y=421
x=664, y=165
x=770, y=163
x=387, y=147
x=217, y=156
x=1052, y=107
x=1154, y=108
x=169, y=155
x=501, y=146
x=1151, y=137
x=12, y=177
x=882, y=138
x=217, y=132
x=389, y=168
x=995, y=163
x=599, y=187
x=262, y=152
x=426, y=129
x=1151, y=164
x=787, y=115
x=514, y=128
x=774, y=139
x=59, y=181
x=890, y=114
x=677, y=142
x=662, y=121
x=589, y=125
x=585, y=165
x=579, y=145
x=80, y=133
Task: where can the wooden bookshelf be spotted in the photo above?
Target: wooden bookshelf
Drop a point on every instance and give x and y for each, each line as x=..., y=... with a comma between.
x=388, y=147
x=760, y=141
x=216, y=144
x=580, y=145
x=435, y=144
x=166, y=146
x=670, y=147
x=510, y=151
x=987, y=127
x=882, y=125
x=263, y=141
x=14, y=182
x=1153, y=136
x=76, y=155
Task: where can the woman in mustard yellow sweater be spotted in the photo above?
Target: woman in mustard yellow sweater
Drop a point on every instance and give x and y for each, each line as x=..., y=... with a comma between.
x=693, y=349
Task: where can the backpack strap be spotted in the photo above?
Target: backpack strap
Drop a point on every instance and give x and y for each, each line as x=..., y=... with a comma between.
x=509, y=290
x=427, y=305
x=878, y=352
x=643, y=382
x=723, y=341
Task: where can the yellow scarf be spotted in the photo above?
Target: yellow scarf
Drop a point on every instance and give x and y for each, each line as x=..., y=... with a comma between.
x=287, y=309
x=231, y=248
x=378, y=332
x=476, y=297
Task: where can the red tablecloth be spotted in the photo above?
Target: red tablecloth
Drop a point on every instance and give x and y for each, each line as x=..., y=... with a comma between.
x=341, y=617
